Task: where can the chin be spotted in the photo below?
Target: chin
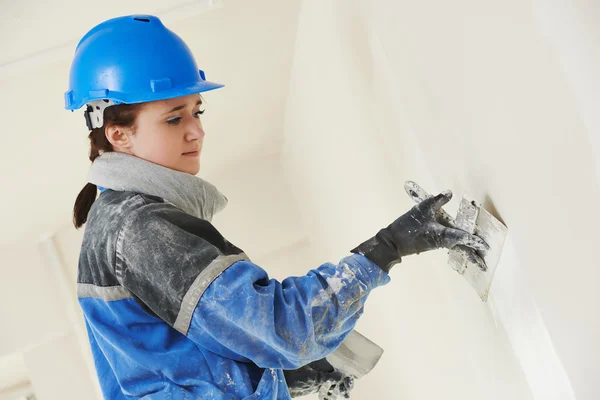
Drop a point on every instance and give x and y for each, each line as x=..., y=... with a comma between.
x=194, y=170
x=189, y=165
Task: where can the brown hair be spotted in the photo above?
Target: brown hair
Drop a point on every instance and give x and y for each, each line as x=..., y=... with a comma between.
x=123, y=115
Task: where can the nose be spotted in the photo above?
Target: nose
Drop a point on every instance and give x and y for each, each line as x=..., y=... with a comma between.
x=195, y=132
x=200, y=134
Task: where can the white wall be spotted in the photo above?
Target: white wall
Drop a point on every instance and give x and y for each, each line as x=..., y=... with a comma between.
x=571, y=28
x=36, y=312
x=41, y=341
x=57, y=371
x=468, y=96
x=261, y=217
x=496, y=115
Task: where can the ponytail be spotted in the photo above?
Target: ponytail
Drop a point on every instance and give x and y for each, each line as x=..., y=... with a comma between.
x=84, y=202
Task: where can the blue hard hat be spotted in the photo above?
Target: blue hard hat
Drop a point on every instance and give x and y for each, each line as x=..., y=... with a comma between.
x=133, y=59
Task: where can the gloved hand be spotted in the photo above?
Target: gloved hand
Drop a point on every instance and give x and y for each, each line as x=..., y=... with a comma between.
x=416, y=231
x=319, y=377
x=335, y=390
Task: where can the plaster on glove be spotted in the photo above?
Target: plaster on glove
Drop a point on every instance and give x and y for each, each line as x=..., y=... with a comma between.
x=337, y=390
x=417, y=231
x=318, y=377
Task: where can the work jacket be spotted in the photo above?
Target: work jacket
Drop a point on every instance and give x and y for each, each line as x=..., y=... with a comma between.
x=175, y=311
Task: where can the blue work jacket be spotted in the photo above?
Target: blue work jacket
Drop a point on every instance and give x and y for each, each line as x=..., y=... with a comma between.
x=175, y=311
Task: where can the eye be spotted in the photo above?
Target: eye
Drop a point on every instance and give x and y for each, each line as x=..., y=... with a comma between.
x=177, y=120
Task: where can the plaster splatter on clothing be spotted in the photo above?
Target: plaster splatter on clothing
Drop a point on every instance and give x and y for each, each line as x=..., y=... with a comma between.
x=164, y=294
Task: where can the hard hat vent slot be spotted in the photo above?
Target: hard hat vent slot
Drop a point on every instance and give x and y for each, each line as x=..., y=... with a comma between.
x=142, y=19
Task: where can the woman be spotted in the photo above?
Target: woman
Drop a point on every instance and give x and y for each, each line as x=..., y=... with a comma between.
x=174, y=310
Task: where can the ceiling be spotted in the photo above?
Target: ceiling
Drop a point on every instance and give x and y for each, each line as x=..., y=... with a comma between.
x=247, y=46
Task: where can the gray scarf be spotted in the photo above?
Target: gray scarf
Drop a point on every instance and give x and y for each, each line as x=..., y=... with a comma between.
x=124, y=172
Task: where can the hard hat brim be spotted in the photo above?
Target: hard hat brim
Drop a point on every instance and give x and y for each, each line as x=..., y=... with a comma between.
x=133, y=98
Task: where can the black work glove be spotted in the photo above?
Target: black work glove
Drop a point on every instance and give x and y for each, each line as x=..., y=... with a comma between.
x=416, y=231
x=319, y=377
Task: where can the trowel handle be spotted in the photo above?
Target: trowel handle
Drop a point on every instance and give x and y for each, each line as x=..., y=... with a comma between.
x=418, y=194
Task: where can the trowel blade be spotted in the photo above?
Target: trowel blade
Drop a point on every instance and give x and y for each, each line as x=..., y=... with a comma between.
x=490, y=229
x=356, y=356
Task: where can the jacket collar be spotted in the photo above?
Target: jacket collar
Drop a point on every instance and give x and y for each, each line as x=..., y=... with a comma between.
x=124, y=172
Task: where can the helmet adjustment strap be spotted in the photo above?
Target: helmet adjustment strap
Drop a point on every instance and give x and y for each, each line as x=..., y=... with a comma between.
x=94, y=113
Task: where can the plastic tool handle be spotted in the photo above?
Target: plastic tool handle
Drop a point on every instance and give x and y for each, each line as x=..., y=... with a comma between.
x=418, y=194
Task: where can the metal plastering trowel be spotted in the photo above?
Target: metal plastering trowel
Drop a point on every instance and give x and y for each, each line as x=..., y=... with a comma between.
x=356, y=356
x=473, y=218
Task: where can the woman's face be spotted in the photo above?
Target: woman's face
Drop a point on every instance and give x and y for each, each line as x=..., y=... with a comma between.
x=167, y=132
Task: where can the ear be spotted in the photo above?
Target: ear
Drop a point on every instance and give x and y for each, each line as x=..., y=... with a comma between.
x=118, y=136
